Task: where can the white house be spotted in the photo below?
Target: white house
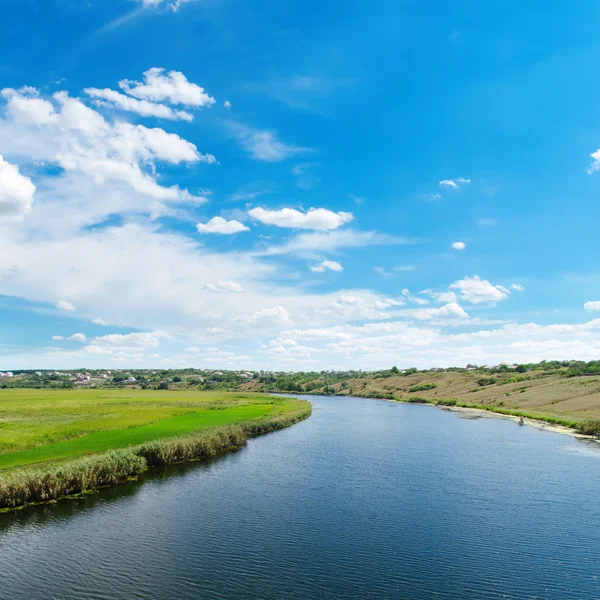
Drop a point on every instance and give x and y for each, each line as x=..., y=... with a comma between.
x=130, y=380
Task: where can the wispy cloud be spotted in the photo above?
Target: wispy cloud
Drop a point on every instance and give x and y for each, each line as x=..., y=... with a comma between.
x=304, y=92
x=262, y=144
x=454, y=183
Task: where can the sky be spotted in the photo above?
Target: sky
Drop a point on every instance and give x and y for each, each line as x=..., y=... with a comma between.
x=298, y=185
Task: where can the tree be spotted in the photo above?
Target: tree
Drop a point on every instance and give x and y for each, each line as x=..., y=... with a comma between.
x=163, y=385
x=394, y=369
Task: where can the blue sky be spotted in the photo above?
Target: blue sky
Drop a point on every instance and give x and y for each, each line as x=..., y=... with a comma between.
x=298, y=185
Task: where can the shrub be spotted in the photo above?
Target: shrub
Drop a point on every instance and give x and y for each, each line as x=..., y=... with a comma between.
x=483, y=381
x=446, y=402
x=589, y=427
x=422, y=387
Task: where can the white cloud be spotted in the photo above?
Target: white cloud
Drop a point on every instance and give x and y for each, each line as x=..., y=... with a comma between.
x=406, y=294
x=58, y=338
x=432, y=197
x=379, y=344
x=262, y=144
x=81, y=141
x=25, y=106
x=275, y=315
x=16, y=192
x=142, y=340
x=476, y=291
x=361, y=307
x=449, y=311
x=332, y=265
x=318, y=219
x=99, y=321
x=78, y=337
x=459, y=245
x=596, y=164
x=172, y=87
x=192, y=349
x=517, y=287
x=313, y=244
x=227, y=104
x=64, y=305
x=447, y=297
x=144, y=108
x=594, y=305
x=173, y=5
x=224, y=287
x=222, y=226
x=453, y=183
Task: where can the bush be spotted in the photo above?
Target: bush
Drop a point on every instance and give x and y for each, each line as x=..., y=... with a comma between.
x=418, y=400
x=589, y=428
x=483, y=381
x=447, y=402
x=422, y=387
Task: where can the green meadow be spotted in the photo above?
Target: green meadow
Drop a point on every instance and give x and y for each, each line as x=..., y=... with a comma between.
x=40, y=427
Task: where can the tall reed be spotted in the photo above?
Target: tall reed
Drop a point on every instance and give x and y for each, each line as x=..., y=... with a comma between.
x=30, y=486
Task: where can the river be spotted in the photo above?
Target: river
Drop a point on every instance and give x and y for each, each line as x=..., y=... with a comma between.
x=366, y=499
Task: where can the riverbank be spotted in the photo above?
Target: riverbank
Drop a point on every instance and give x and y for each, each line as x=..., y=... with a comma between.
x=25, y=481
x=542, y=422
x=557, y=395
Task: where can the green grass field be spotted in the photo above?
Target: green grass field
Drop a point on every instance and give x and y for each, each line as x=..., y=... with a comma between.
x=39, y=427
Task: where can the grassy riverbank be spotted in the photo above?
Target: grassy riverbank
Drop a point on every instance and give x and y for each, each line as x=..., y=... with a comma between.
x=552, y=396
x=56, y=443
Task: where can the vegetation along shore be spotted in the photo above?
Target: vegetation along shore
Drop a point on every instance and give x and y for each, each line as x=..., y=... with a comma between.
x=58, y=443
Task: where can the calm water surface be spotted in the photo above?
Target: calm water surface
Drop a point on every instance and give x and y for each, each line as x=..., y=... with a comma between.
x=366, y=499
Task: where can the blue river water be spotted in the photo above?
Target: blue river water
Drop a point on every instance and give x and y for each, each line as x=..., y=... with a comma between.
x=366, y=499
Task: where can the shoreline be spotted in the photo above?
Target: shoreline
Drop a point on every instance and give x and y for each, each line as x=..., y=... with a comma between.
x=33, y=486
x=542, y=423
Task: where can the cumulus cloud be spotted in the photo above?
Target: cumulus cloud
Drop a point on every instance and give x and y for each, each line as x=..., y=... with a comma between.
x=143, y=108
x=593, y=305
x=172, y=87
x=449, y=311
x=64, y=305
x=222, y=226
x=16, y=192
x=80, y=140
x=227, y=104
x=224, y=287
x=459, y=245
x=476, y=291
x=275, y=315
x=99, y=321
x=58, y=338
x=78, y=337
x=318, y=219
x=262, y=144
x=332, y=265
x=596, y=164
x=454, y=183
x=374, y=345
x=517, y=287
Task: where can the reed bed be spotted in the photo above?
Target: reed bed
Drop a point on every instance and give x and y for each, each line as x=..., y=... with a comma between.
x=47, y=484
